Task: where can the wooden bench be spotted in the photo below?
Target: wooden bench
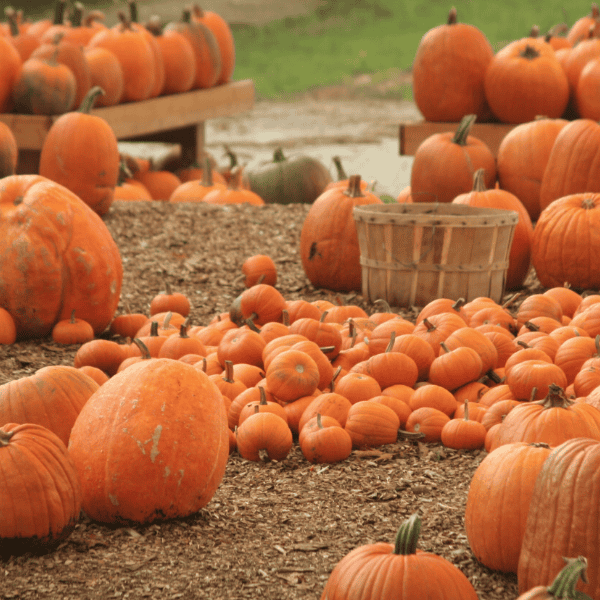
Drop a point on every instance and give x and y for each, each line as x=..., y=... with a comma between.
x=178, y=118
x=412, y=134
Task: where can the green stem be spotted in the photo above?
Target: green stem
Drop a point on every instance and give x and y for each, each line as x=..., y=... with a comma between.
x=464, y=128
x=408, y=536
x=564, y=584
x=278, y=155
x=90, y=98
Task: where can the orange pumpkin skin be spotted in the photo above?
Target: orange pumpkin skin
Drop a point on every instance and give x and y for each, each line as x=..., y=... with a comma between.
x=448, y=72
x=75, y=135
x=328, y=241
x=522, y=158
x=10, y=68
x=106, y=72
x=563, y=517
x=572, y=164
x=57, y=256
x=560, y=253
x=510, y=470
x=38, y=478
x=163, y=432
x=524, y=80
x=9, y=152
x=452, y=152
x=519, y=260
x=381, y=571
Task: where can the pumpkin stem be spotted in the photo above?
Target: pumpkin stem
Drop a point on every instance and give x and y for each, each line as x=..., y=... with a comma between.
x=207, y=178
x=77, y=16
x=353, y=190
x=341, y=174
x=154, y=329
x=413, y=436
x=59, y=12
x=408, y=536
x=564, y=584
x=588, y=203
x=466, y=414
x=133, y=11
x=444, y=347
x=125, y=22
x=88, y=101
x=479, y=181
x=535, y=31
x=428, y=324
x=233, y=161
x=390, y=346
x=530, y=53
x=73, y=320
x=333, y=379
x=263, y=396
x=464, y=128
x=143, y=348
x=11, y=16
x=5, y=437
x=198, y=12
x=531, y=326
x=278, y=155
x=384, y=304
x=285, y=317
x=228, y=373
x=556, y=398
x=452, y=16
x=459, y=304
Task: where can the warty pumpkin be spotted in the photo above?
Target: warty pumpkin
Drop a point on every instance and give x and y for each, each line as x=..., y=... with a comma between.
x=57, y=256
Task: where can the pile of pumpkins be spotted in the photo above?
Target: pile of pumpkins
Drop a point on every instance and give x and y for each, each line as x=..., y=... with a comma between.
x=522, y=384
x=48, y=66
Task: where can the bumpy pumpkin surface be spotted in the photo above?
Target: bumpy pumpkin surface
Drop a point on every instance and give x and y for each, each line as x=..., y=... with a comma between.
x=151, y=443
x=56, y=256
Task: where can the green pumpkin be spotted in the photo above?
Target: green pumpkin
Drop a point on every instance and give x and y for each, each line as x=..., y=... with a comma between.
x=298, y=179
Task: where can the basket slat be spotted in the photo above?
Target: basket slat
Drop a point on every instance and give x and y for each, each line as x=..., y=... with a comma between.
x=414, y=253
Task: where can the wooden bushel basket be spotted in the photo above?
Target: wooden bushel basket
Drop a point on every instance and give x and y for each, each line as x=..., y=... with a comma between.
x=411, y=254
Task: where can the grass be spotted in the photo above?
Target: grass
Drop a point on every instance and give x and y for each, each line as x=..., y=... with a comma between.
x=345, y=38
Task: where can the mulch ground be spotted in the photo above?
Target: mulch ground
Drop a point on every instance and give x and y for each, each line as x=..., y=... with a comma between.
x=274, y=530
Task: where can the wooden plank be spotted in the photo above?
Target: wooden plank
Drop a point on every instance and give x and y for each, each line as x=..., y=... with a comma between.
x=412, y=134
x=136, y=119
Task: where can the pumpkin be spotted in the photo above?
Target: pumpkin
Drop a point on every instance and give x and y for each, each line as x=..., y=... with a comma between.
x=159, y=455
x=551, y=420
x=8, y=329
x=234, y=192
x=560, y=253
x=298, y=179
x=105, y=355
x=494, y=527
x=105, y=72
x=259, y=269
x=371, y=424
x=448, y=71
x=241, y=345
x=170, y=301
x=581, y=27
x=572, y=166
x=10, y=69
x=52, y=397
x=532, y=379
x=72, y=331
x=77, y=134
x=264, y=432
x=194, y=190
x=454, y=368
x=381, y=570
x=291, y=375
x=44, y=87
x=433, y=396
x=57, y=256
x=457, y=153
x=41, y=497
x=427, y=421
x=24, y=42
x=562, y=517
x=463, y=433
x=9, y=152
x=224, y=37
x=519, y=259
x=323, y=440
x=328, y=240
x=522, y=157
x=160, y=183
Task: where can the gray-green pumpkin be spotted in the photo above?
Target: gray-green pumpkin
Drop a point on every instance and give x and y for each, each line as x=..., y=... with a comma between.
x=298, y=179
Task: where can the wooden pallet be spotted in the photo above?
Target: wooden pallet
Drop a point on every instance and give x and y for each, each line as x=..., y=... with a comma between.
x=178, y=118
x=412, y=134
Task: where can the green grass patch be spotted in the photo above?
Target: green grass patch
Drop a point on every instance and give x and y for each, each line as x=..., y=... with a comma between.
x=342, y=39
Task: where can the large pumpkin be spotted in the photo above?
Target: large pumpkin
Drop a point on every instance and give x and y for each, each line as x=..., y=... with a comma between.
x=383, y=571
x=563, y=517
x=519, y=259
x=328, y=241
x=56, y=256
x=298, y=179
x=72, y=137
x=151, y=443
x=52, y=397
x=565, y=243
x=448, y=72
x=41, y=497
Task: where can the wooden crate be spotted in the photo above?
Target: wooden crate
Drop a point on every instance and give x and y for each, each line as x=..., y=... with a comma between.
x=412, y=134
x=178, y=118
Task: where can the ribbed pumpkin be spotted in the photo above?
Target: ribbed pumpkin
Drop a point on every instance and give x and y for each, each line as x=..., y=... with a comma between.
x=563, y=517
x=524, y=80
x=448, y=71
x=298, y=179
x=519, y=259
x=494, y=527
x=563, y=249
x=573, y=166
x=57, y=256
x=73, y=136
x=445, y=164
x=522, y=158
x=41, y=497
x=107, y=73
x=328, y=241
x=381, y=571
x=144, y=456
